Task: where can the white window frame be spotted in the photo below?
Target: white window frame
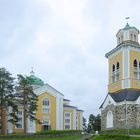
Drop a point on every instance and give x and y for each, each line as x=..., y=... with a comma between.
x=22, y=119
x=67, y=123
x=45, y=107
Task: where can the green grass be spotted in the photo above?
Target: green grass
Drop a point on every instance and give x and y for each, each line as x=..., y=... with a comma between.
x=101, y=138
x=58, y=138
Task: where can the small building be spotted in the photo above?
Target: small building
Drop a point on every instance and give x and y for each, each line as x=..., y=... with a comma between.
x=121, y=107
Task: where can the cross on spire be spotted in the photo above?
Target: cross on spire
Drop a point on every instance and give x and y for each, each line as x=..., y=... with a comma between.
x=32, y=71
x=127, y=19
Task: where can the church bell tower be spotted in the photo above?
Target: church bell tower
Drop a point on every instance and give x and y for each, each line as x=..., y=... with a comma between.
x=124, y=61
x=121, y=107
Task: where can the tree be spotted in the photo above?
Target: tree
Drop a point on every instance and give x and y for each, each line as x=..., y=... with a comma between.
x=84, y=124
x=97, y=124
x=27, y=98
x=6, y=98
x=91, y=123
x=94, y=123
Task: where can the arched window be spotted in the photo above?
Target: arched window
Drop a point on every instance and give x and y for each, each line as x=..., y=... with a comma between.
x=109, y=121
x=113, y=73
x=118, y=65
x=113, y=68
x=135, y=63
x=45, y=102
x=45, y=105
x=119, y=40
x=134, y=37
x=117, y=71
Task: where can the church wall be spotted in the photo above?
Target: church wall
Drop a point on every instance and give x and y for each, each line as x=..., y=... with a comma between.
x=112, y=87
x=134, y=55
x=120, y=115
x=104, y=112
x=71, y=111
x=79, y=114
x=51, y=116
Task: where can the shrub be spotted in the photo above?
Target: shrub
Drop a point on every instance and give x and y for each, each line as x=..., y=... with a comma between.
x=115, y=137
x=55, y=132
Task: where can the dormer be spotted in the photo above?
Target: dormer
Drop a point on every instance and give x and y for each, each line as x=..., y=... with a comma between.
x=128, y=33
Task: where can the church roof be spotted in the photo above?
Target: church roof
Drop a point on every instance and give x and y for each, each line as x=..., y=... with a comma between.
x=128, y=95
x=69, y=106
x=127, y=27
x=35, y=80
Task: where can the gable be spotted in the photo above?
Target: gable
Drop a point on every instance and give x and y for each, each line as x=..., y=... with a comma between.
x=48, y=89
x=108, y=100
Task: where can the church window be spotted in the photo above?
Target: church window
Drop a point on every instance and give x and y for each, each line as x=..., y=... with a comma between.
x=119, y=40
x=118, y=65
x=67, y=120
x=131, y=38
x=113, y=68
x=46, y=102
x=117, y=71
x=135, y=69
x=20, y=119
x=134, y=37
x=45, y=105
x=113, y=73
x=135, y=63
x=109, y=120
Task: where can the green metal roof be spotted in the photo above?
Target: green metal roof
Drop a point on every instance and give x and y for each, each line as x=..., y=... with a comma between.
x=127, y=27
x=35, y=80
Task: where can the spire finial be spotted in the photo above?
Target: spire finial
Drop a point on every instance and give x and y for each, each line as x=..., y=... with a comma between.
x=127, y=19
x=32, y=71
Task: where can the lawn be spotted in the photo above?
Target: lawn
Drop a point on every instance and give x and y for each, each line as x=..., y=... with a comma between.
x=58, y=138
x=101, y=138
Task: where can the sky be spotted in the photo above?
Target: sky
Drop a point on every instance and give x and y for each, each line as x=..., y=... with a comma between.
x=65, y=41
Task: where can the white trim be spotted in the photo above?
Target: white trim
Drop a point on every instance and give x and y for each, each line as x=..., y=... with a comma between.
x=109, y=100
x=81, y=120
x=22, y=120
x=46, y=106
x=74, y=120
x=69, y=119
x=59, y=113
x=31, y=129
x=126, y=69
x=47, y=88
x=9, y=124
x=119, y=47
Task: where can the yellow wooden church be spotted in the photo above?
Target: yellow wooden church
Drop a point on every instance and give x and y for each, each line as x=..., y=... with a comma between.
x=54, y=111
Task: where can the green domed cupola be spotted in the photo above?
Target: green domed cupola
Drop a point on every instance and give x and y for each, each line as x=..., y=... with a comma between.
x=35, y=80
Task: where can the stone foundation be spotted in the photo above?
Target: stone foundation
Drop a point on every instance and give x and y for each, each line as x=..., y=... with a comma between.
x=124, y=116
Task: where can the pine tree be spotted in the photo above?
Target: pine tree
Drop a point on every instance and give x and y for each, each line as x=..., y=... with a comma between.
x=91, y=122
x=97, y=124
x=84, y=124
x=6, y=98
x=94, y=123
x=27, y=98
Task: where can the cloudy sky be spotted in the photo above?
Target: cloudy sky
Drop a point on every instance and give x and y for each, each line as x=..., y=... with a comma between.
x=65, y=42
